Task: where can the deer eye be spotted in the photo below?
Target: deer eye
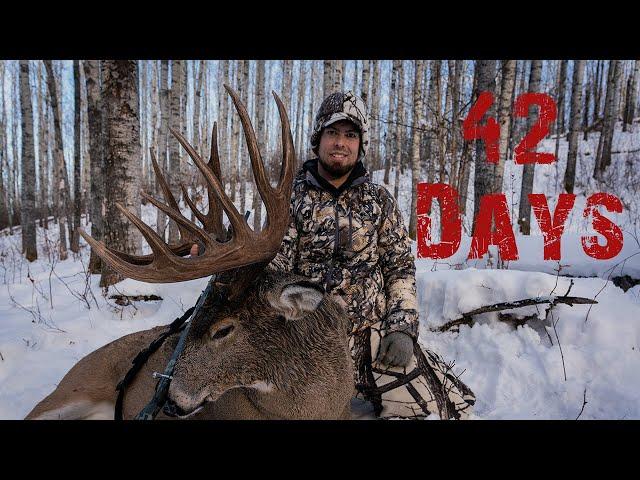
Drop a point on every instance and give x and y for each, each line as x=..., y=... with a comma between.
x=223, y=332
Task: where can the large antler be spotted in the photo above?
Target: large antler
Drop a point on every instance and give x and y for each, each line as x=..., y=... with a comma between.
x=246, y=247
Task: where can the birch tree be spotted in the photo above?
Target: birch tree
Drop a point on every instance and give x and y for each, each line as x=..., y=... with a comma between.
x=484, y=179
x=528, y=170
x=302, y=80
x=574, y=125
x=260, y=120
x=61, y=186
x=96, y=151
x=235, y=137
x=337, y=75
x=455, y=139
x=603, y=156
x=390, y=134
x=122, y=157
x=163, y=141
x=375, y=124
x=287, y=81
x=27, y=213
x=504, y=117
x=242, y=150
x=562, y=80
x=75, y=239
x=4, y=204
x=632, y=96
x=399, y=128
x=43, y=154
x=175, y=96
x=327, y=78
x=416, y=134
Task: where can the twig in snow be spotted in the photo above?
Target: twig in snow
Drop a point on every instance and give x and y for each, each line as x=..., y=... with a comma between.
x=1, y=357
x=559, y=345
x=467, y=318
x=584, y=402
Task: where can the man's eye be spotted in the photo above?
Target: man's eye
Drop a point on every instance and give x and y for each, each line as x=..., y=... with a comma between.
x=352, y=135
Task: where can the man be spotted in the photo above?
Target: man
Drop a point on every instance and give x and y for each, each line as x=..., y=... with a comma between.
x=348, y=233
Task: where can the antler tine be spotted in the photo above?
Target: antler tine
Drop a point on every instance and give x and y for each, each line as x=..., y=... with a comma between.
x=214, y=215
x=193, y=207
x=262, y=183
x=240, y=227
x=166, y=191
x=157, y=244
x=288, y=151
x=181, y=220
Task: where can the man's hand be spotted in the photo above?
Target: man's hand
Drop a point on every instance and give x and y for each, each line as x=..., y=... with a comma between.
x=396, y=349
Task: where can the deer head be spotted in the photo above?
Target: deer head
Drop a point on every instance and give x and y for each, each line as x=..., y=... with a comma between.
x=276, y=335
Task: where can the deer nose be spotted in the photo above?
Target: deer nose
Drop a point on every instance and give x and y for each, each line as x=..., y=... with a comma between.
x=171, y=409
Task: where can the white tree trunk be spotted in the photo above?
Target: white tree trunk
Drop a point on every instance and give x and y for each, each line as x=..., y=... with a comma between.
x=96, y=148
x=390, y=131
x=62, y=185
x=574, y=125
x=528, y=170
x=415, y=143
x=175, y=97
x=504, y=118
x=399, y=129
x=122, y=158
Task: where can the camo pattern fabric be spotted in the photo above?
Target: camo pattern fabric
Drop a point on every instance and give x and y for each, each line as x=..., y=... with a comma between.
x=354, y=243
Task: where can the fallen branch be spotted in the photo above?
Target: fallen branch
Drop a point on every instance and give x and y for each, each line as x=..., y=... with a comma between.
x=467, y=318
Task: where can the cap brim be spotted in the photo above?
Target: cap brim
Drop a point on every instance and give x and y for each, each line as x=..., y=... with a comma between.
x=336, y=117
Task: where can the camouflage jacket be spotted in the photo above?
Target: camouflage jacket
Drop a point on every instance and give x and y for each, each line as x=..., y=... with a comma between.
x=354, y=241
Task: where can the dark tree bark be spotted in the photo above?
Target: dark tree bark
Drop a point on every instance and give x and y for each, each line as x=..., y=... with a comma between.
x=415, y=141
x=163, y=141
x=62, y=187
x=562, y=80
x=175, y=95
x=528, y=170
x=485, y=73
x=587, y=102
x=504, y=117
x=75, y=239
x=390, y=136
x=4, y=201
x=574, y=126
x=399, y=127
x=603, y=157
x=27, y=212
x=632, y=96
x=122, y=159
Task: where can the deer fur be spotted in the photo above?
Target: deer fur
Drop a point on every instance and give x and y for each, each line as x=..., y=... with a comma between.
x=278, y=352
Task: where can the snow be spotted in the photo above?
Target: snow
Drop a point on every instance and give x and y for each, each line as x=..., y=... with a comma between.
x=52, y=313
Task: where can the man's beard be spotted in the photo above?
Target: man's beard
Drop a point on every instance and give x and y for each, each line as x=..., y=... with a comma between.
x=336, y=171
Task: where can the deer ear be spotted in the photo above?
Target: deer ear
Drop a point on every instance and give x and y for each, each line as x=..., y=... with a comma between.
x=298, y=299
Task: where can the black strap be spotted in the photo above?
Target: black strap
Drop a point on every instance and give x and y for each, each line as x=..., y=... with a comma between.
x=142, y=357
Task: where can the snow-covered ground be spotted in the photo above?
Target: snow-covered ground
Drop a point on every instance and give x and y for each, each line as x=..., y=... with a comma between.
x=52, y=313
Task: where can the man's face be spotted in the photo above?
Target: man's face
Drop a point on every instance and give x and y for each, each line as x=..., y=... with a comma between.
x=339, y=147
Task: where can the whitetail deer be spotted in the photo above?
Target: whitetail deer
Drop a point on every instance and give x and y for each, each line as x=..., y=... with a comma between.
x=276, y=348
